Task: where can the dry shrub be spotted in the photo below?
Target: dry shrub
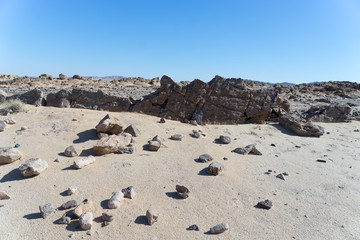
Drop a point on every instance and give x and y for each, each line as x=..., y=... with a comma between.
x=15, y=105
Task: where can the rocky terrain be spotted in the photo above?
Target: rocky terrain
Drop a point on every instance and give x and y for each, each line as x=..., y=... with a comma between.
x=155, y=159
x=221, y=101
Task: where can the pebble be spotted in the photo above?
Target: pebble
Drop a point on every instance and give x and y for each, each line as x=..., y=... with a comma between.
x=126, y=150
x=80, y=163
x=46, y=209
x=116, y=198
x=86, y=220
x=71, y=190
x=176, y=137
x=4, y=196
x=320, y=160
x=225, y=139
x=193, y=227
x=193, y=122
x=182, y=191
x=267, y=204
x=70, y=151
x=23, y=128
x=71, y=235
x=220, y=228
x=162, y=120
x=128, y=192
x=215, y=168
x=2, y=125
x=64, y=219
x=159, y=139
x=57, y=160
x=280, y=176
x=107, y=217
x=69, y=204
x=9, y=155
x=152, y=217
x=105, y=223
x=90, y=232
x=205, y=158
x=9, y=121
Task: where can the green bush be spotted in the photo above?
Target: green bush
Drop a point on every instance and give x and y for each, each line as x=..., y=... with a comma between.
x=15, y=105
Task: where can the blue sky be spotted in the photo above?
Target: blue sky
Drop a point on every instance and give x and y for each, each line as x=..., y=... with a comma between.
x=265, y=40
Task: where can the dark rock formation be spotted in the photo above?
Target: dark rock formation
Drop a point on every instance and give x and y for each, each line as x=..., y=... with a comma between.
x=219, y=101
x=33, y=97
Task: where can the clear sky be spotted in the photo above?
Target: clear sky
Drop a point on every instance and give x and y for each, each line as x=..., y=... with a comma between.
x=265, y=40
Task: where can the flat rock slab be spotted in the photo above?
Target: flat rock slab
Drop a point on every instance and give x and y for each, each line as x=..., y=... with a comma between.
x=112, y=143
x=33, y=167
x=80, y=163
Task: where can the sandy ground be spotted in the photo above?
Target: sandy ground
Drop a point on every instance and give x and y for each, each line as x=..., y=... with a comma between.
x=316, y=201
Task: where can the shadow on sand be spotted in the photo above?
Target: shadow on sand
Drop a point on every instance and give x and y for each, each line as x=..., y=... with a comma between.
x=90, y=134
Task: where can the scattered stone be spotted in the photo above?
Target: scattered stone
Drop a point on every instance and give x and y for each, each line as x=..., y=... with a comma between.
x=69, y=204
x=272, y=145
x=71, y=235
x=128, y=192
x=193, y=122
x=225, y=158
x=2, y=125
x=196, y=134
x=269, y=170
x=126, y=150
x=320, y=160
x=80, y=163
x=132, y=130
x=152, y=217
x=64, y=219
x=112, y=143
x=46, y=209
x=220, y=228
x=71, y=191
x=86, y=220
x=57, y=160
x=205, y=158
x=90, y=232
x=225, y=139
x=74, y=120
x=249, y=149
x=267, y=204
x=154, y=145
x=285, y=174
x=158, y=138
x=182, y=191
x=9, y=155
x=176, y=137
x=24, y=128
x=116, y=198
x=280, y=176
x=9, y=121
x=109, y=125
x=215, y=168
x=4, y=196
x=70, y=151
x=162, y=120
x=193, y=227
x=267, y=173
x=17, y=145
x=33, y=167
x=105, y=223
x=5, y=112
x=83, y=207
x=107, y=217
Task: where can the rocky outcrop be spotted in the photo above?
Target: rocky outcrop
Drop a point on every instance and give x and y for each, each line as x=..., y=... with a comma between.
x=300, y=127
x=33, y=97
x=221, y=100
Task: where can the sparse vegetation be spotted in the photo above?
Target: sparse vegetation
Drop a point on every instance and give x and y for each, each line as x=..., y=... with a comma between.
x=15, y=105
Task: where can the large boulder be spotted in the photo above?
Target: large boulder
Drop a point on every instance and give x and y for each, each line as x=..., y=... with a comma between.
x=60, y=99
x=112, y=143
x=109, y=125
x=33, y=97
x=332, y=113
x=9, y=155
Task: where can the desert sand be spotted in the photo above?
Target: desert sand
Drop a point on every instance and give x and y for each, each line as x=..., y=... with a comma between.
x=316, y=201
